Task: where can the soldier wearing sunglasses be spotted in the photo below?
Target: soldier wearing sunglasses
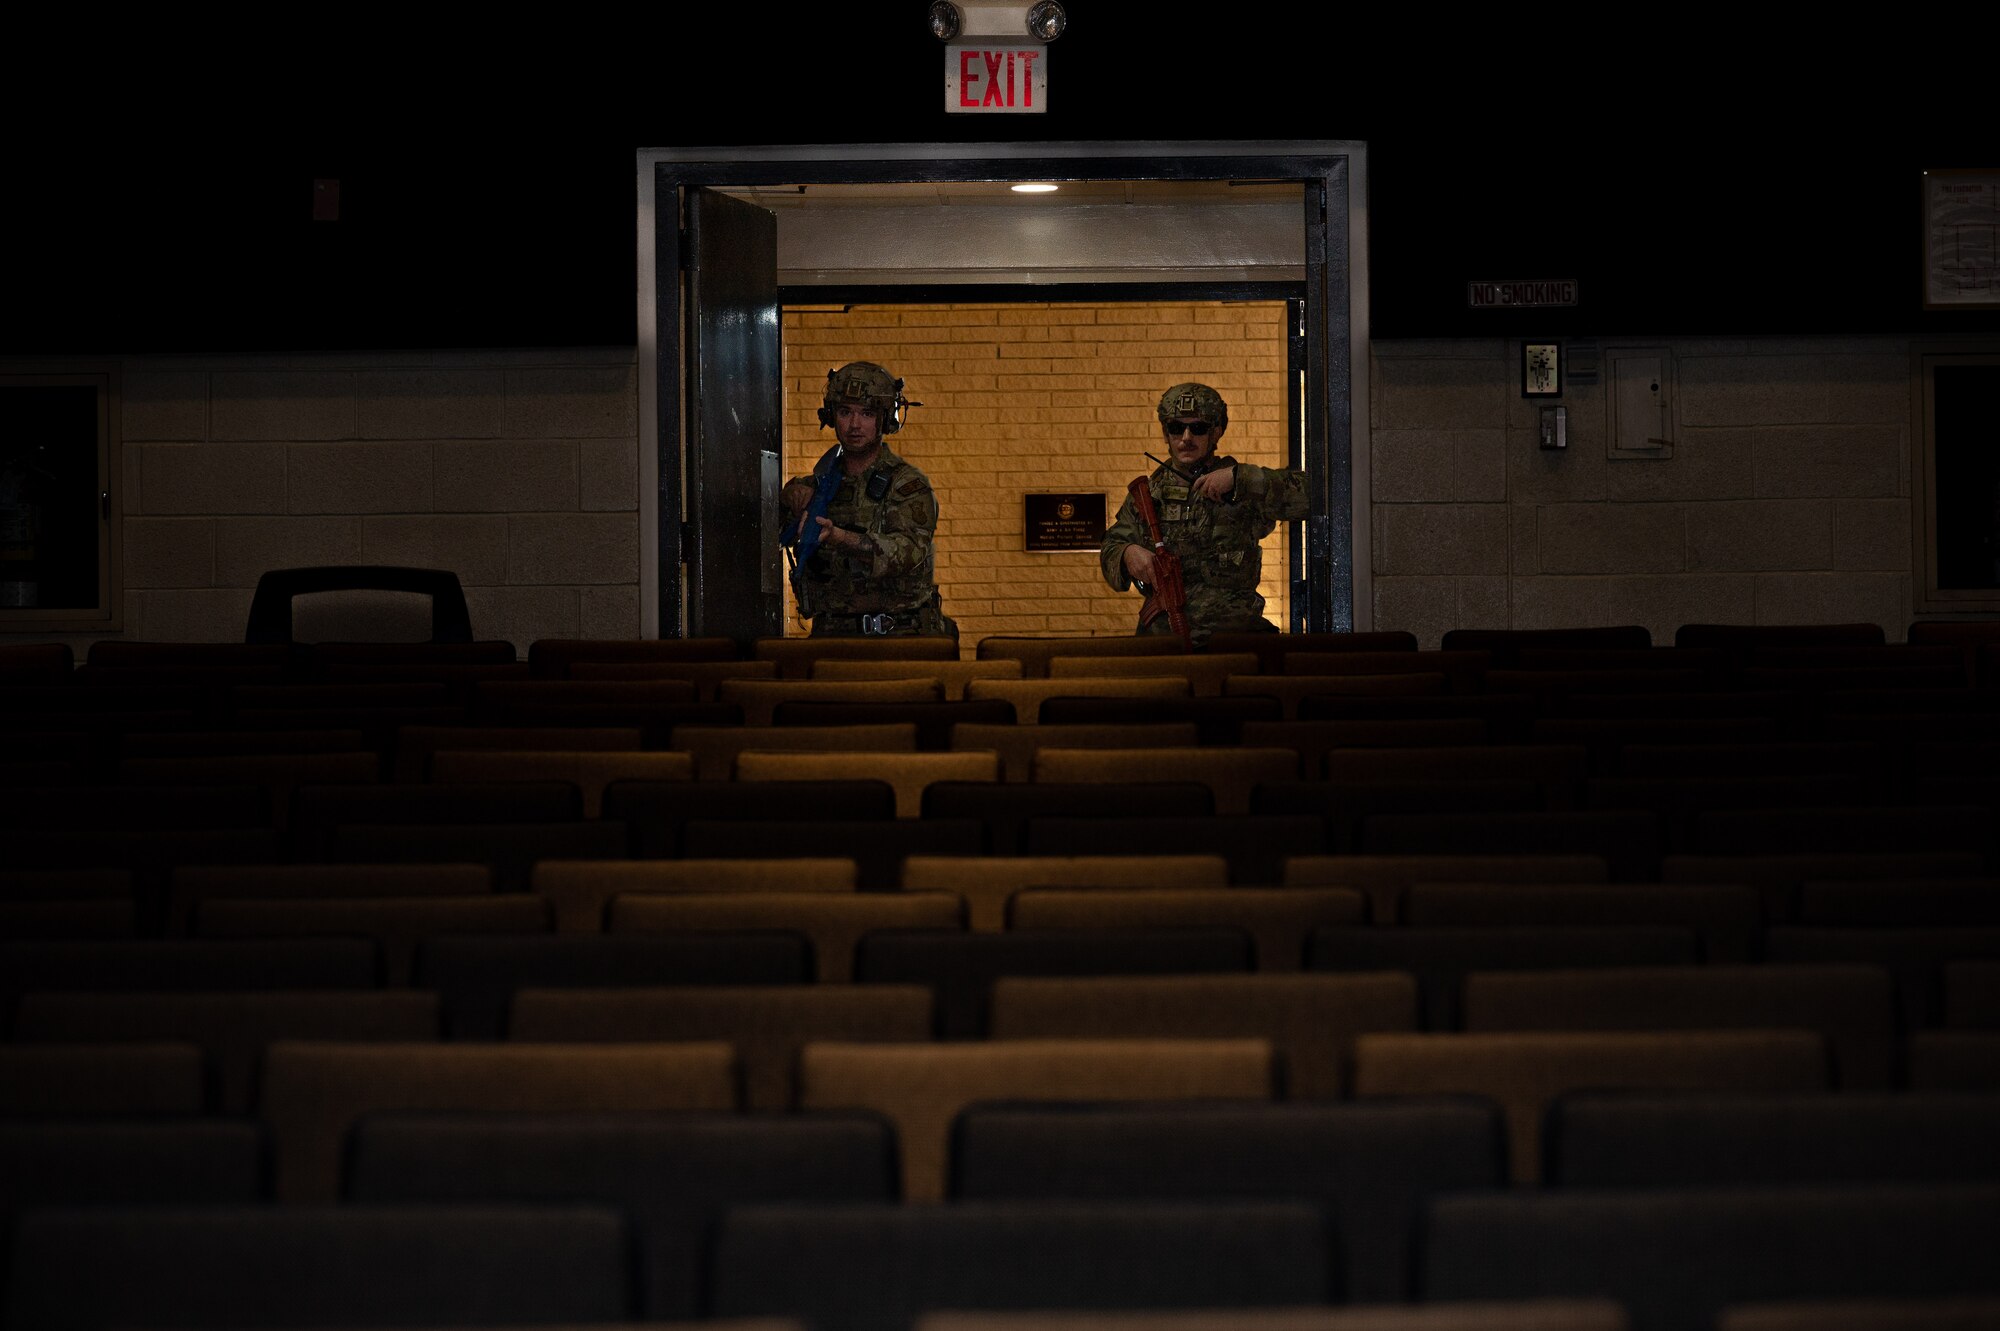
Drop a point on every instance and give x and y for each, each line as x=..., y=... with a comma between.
x=1213, y=511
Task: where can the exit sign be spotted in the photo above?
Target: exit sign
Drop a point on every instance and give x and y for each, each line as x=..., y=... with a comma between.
x=996, y=80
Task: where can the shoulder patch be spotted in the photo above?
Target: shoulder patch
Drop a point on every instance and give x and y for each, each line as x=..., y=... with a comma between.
x=912, y=486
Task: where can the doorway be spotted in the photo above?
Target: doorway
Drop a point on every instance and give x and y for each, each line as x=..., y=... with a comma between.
x=1174, y=227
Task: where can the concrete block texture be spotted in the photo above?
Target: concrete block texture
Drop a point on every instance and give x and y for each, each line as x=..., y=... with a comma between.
x=611, y=612
x=504, y=475
x=360, y=477
x=610, y=474
x=1440, y=466
x=187, y=615
x=169, y=552
x=248, y=548
x=1843, y=461
x=1426, y=607
x=1438, y=393
x=1872, y=534
x=163, y=405
x=1836, y=598
x=1482, y=603
x=428, y=404
x=1801, y=389
x=577, y=548
x=1761, y=535
x=1559, y=602
x=572, y=402
x=1706, y=464
x=212, y=478
x=1664, y=602
x=281, y=404
x=1575, y=474
x=1441, y=538
x=520, y=615
x=1612, y=538
x=474, y=546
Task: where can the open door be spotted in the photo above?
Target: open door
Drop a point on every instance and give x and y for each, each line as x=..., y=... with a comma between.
x=735, y=583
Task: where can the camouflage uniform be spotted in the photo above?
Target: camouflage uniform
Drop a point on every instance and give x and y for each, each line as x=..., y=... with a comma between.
x=896, y=580
x=1221, y=562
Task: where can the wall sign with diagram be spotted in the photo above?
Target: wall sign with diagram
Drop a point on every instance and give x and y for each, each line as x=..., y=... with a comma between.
x=1961, y=240
x=1055, y=522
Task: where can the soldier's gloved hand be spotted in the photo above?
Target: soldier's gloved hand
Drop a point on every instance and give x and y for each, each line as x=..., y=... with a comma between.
x=1216, y=484
x=1139, y=563
x=796, y=496
x=839, y=538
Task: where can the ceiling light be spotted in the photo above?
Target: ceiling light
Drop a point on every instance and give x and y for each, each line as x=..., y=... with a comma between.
x=1033, y=189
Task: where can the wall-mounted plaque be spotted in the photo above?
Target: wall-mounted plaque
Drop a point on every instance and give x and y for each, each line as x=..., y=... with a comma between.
x=1064, y=522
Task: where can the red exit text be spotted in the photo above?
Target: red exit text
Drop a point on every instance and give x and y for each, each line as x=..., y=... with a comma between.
x=989, y=79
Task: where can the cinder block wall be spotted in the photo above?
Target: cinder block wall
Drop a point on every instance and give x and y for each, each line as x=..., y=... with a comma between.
x=1026, y=398
x=1786, y=500
x=516, y=470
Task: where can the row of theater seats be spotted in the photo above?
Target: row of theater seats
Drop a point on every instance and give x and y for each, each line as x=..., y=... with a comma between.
x=1295, y=973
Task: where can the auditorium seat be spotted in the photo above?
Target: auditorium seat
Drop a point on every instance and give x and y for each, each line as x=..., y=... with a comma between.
x=1852, y=1006
x=1369, y=1165
x=1385, y=877
x=1278, y=919
x=706, y=676
x=579, y=891
x=922, y=1087
x=1663, y=1141
x=715, y=747
x=908, y=774
x=590, y=773
x=1917, y=1313
x=962, y=967
x=1004, y=809
x=1507, y=644
x=989, y=882
x=551, y=658
x=196, y=884
x=758, y=697
x=476, y=978
x=1018, y=744
x=186, y=966
x=1952, y=1060
x=1274, y=650
x=795, y=656
x=231, y=1030
x=98, y=1269
x=312, y=1092
x=767, y=1024
x=952, y=676
x=511, y=850
x=649, y=704
x=1030, y=696
x=394, y=924
x=1310, y=1020
x=1779, y=878
x=1891, y=902
x=1441, y=958
x=879, y=849
x=1231, y=773
x=1346, y=804
x=659, y=812
x=1524, y=1072
x=934, y=721
x=1727, y=1245
x=1727, y=919
x=157, y=1078
x=414, y=745
x=1217, y=721
x=1204, y=671
x=1313, y=740
x=673, y=1174
x=1256, y=846
x=1292, y=690
x=1972, y=995
x=1915, y=956
x=834, y=921
x=1521, y=1315
x=317, y=810
x=1629, y=841
x=1034, y=654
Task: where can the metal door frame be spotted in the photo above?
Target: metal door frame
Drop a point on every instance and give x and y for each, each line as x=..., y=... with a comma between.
x=1336, y=411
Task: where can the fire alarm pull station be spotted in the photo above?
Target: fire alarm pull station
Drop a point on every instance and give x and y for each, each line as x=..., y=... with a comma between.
x=1555, y=427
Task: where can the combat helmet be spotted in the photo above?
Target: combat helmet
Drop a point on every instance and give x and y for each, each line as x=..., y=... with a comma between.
x=869, y=384
x=1197, y=400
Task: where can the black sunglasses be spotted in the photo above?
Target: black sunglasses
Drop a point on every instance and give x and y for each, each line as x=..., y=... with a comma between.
x=1199, y=429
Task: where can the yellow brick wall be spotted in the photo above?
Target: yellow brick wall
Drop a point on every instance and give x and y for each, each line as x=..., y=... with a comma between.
x=1029, y=398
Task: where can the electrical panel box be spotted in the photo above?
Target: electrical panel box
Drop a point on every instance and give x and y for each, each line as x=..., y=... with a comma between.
x=1640, y=399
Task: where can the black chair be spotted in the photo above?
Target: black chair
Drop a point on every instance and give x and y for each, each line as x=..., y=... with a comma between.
x=271, y=609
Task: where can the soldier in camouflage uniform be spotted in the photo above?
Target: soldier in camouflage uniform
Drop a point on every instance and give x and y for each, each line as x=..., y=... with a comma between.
x=867, y=567
x=1213, y=511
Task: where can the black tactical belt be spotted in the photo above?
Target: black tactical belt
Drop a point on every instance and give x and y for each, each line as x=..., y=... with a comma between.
x=869, y=625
